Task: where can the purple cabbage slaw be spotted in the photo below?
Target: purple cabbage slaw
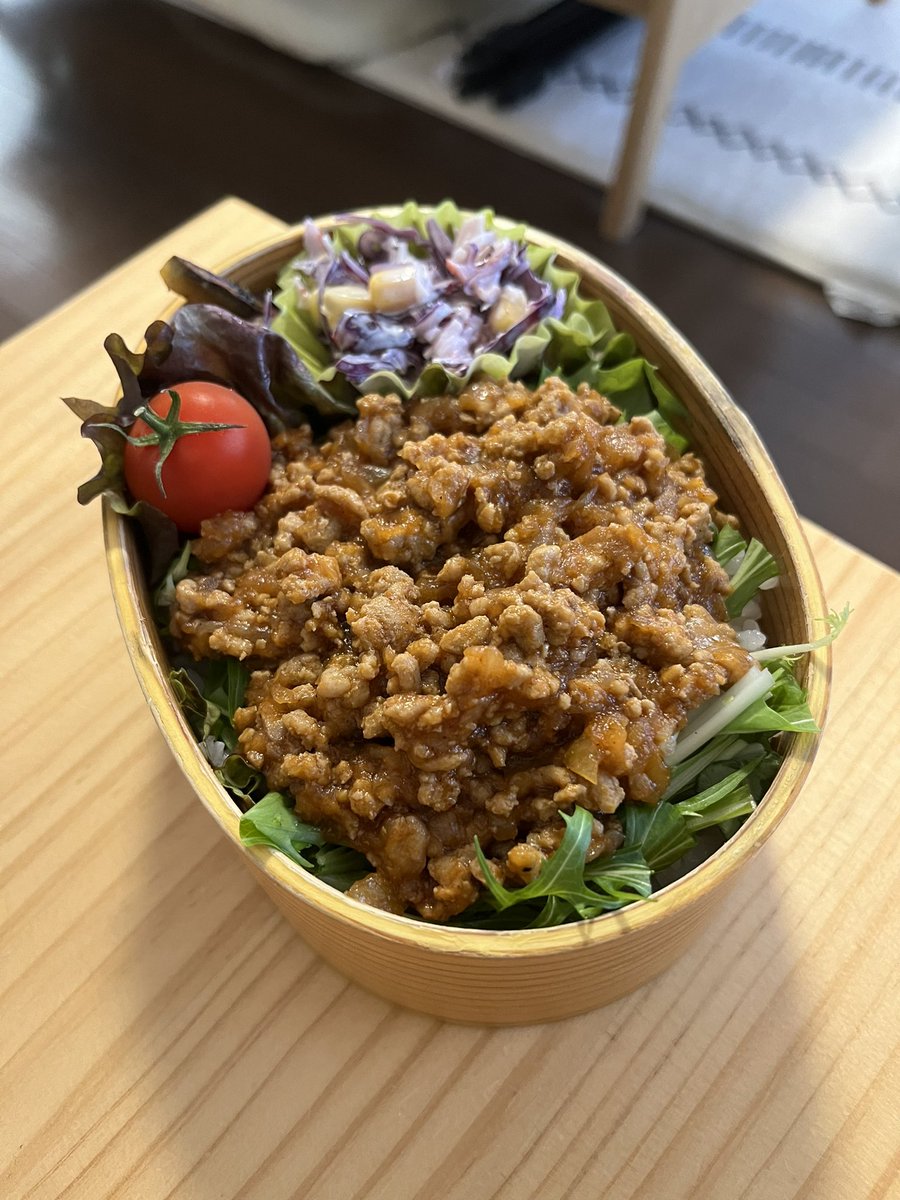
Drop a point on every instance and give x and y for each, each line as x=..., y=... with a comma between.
x=458, y=282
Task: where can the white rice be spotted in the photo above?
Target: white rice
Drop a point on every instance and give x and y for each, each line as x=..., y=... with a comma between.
x=747, y=628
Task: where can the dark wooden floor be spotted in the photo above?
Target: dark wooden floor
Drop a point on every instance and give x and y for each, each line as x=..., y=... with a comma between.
x=118, y=121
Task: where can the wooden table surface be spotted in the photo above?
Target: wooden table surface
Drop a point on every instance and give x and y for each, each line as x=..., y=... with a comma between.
x=163, y=1033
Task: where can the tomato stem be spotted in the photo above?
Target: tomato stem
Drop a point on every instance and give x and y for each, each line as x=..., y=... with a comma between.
x=167, y=430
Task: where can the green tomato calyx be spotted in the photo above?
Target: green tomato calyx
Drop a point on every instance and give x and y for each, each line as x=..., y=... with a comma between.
x=167, y=430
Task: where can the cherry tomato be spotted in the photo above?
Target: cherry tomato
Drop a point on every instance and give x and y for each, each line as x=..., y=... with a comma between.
x=203, y=473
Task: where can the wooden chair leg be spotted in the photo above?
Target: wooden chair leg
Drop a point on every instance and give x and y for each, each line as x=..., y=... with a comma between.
x=667, y=44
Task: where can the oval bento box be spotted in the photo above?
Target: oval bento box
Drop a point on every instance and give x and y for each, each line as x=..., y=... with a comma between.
x=519, y=977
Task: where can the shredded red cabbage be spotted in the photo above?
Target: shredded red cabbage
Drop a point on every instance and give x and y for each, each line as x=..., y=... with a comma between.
x=460, y=296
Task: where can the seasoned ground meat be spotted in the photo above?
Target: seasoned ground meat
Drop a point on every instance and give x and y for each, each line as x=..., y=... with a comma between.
x=464, y=617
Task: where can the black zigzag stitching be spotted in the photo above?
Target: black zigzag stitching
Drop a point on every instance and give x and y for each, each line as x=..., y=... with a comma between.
x=791, y=162
x=795, y=50
x=743, y=138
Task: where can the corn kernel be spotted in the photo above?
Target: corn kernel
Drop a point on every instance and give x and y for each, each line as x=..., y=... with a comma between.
x=509, y=310
x=395, y=288
x=336, y=301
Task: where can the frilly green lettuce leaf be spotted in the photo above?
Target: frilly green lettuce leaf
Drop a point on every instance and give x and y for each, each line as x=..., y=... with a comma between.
x=633, y=385
x=562, y=344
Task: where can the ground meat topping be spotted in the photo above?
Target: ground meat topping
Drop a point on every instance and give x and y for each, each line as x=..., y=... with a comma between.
x=465, y=617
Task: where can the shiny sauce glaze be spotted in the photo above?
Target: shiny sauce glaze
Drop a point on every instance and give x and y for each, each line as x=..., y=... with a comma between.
x=465, y=616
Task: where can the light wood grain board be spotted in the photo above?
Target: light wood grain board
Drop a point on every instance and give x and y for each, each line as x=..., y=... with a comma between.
x=164, y=1034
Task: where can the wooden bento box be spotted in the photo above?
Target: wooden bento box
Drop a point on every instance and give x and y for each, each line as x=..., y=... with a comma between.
x=519, y=977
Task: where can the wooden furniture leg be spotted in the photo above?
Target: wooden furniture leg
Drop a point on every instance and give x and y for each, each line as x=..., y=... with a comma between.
x=666, y=46
x=675, y=28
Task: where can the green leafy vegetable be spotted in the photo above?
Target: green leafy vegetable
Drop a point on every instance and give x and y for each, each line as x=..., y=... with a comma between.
x=719, y=713
x=782, y=709
x=238, y=777
x=730, y=797
x=727, y=544
x=606, y=884
x=835, y=622
x=754, y=751
x=756, y=567
x=164, y=595
x=633, y=385
x=555, y=911
x=204, y=341
x=721, y=747
x=272, y=822
x=209, y=695
x=339, y=866
x=657, y=832
x=663, y=833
